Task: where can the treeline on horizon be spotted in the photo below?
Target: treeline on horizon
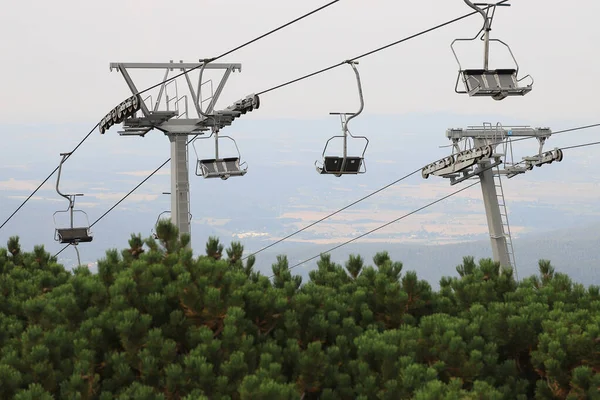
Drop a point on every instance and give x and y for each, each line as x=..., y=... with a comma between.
x=157, y=323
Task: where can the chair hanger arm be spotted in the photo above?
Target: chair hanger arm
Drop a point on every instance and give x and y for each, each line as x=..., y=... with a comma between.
x=486, y=24
x=204, y=64
x=360, y=93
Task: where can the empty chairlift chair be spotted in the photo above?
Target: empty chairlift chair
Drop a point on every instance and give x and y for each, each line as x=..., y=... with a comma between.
x=218, y=167
x=495, y=83
x=222, y=167
x=71, y=233
x=344, y=164
x=154, y=230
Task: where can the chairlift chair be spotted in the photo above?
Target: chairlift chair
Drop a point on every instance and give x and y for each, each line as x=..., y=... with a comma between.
x=345, y=165
x=484, y=82
x=153, y=231
x=219, y=167
x=71, y=234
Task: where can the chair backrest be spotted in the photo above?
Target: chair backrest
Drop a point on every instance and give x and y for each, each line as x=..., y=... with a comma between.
x=332, y=164
x=208, y=166
x=218, y=168
x=221, y=169
x=352, y=164
x=479, y=79
x=490, y=79
x=507, y=78
x=232, y=164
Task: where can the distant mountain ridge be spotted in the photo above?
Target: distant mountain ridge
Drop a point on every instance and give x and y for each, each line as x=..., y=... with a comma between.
x=575, y=251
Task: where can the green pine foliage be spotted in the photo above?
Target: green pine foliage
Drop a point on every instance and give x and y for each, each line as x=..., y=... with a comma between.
x=157, y=323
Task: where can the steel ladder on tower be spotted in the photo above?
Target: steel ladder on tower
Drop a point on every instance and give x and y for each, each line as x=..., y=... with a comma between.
x=505, y=226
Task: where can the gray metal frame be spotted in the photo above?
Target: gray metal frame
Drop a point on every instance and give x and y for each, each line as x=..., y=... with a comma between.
x=482, y=161
x=345, y=119
x=170, y=120
x=498, y=137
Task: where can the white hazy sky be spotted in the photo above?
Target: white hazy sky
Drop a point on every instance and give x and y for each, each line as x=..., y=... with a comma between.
x=54, y=55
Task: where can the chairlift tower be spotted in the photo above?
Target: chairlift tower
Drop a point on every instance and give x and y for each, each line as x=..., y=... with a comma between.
x=170, y=113
x=479, y=152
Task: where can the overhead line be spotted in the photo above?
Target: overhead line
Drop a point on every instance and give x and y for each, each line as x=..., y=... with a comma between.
x=166, y=81
x=377, y=49
x=120, y=201
x=384, y=225
x=127, y=195
x=398, y=180
x=279, y=28
x=336, y=65
x=241, y=46
x=48, y=177
x=29, y=197
x=578, y=128
x=333, y=213
x=316, y=73
x=580, y=145
x=430, y=204
x=130, y=192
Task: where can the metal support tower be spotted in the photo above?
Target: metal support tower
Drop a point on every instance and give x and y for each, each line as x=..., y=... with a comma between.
x=170, y=114
x=180, y=184
x=485, y=148
x=498, y=236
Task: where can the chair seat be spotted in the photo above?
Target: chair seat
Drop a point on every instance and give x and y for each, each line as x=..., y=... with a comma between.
x=221, y=168
x=498, y=83
x=336, y=165
x=73, y=235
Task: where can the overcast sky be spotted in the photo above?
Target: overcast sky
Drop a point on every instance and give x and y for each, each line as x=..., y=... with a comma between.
x=55, y=55
x=55, y=61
